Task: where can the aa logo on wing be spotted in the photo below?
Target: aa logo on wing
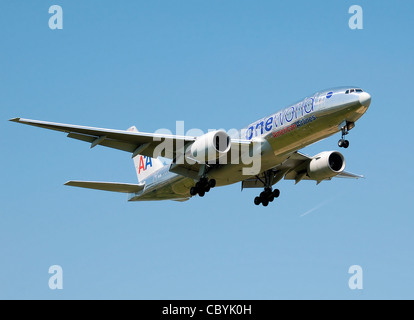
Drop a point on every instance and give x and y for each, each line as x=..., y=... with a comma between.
x=144, y=163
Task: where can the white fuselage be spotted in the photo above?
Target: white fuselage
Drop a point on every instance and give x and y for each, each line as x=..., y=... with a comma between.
x=279, y=135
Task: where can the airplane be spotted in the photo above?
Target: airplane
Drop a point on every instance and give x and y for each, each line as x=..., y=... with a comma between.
x=214, y=159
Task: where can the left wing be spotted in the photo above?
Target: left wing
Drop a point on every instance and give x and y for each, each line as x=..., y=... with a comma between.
x=293, y=168
x=298, y=161
x=135, y=142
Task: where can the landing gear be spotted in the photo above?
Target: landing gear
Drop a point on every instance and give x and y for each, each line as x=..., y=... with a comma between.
x=342, y=143
x=203, y=186
x=266, y=196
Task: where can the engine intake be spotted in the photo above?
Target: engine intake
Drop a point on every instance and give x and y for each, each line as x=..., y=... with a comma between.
x=326, y=165
x=210, y=146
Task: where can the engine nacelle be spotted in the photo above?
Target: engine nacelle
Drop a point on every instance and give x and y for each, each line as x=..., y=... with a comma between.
x=326, y=165
x=210, y=146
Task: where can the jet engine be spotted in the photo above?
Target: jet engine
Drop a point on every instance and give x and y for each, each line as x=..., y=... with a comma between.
x=210, y=146
x=326, y=165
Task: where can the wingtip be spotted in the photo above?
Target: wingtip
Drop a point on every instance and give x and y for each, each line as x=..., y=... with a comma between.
x=15, y=120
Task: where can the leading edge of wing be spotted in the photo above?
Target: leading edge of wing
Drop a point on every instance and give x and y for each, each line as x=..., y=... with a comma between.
x=96, y=131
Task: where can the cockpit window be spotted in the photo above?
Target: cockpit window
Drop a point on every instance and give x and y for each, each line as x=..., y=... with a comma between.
x=353, y=90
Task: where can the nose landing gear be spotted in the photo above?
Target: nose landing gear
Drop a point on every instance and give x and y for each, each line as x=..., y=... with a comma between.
x=342, y=143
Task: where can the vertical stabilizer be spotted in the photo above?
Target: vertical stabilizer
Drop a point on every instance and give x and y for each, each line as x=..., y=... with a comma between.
x=144, y=165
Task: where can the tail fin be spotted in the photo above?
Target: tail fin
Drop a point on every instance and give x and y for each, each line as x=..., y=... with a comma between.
x=144, y=165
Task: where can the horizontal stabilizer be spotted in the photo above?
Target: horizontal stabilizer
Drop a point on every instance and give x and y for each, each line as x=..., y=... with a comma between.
x=107, y=186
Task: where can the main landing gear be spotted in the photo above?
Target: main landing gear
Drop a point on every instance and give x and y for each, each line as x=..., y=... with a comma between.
x=342, y=143
x=268, y=195
x=203, y=186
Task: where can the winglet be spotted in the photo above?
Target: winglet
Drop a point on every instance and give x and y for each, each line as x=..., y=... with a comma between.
x=15, y=120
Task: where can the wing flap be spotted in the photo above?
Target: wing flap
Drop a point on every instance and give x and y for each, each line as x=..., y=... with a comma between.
x=252, y=183
x=107, y=186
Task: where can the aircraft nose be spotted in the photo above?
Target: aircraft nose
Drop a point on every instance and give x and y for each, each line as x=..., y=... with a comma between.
x=365, y=99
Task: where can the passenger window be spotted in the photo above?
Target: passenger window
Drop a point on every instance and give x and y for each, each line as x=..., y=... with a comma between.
x=352, y=90
x=347, y=91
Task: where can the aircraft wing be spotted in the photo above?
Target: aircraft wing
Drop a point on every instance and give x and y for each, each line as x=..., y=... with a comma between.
x=349, y=175
x=107, y=186
x=293, y=168
x=129, y=141
x=298, y=162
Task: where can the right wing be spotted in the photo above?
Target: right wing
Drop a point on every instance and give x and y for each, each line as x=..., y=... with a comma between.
x=107, y=186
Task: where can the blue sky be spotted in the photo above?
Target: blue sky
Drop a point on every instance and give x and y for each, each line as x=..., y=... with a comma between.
x=212, y=64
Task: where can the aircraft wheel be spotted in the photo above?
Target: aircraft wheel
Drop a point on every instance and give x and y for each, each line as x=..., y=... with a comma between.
x=201, y=193
x=265, y=203
x=341, y=143
x=346, y=144
x=207, y=189
x=271, y=198
x=276, y=193
x=212, y=183
x=193, y=191
x=257, y=201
